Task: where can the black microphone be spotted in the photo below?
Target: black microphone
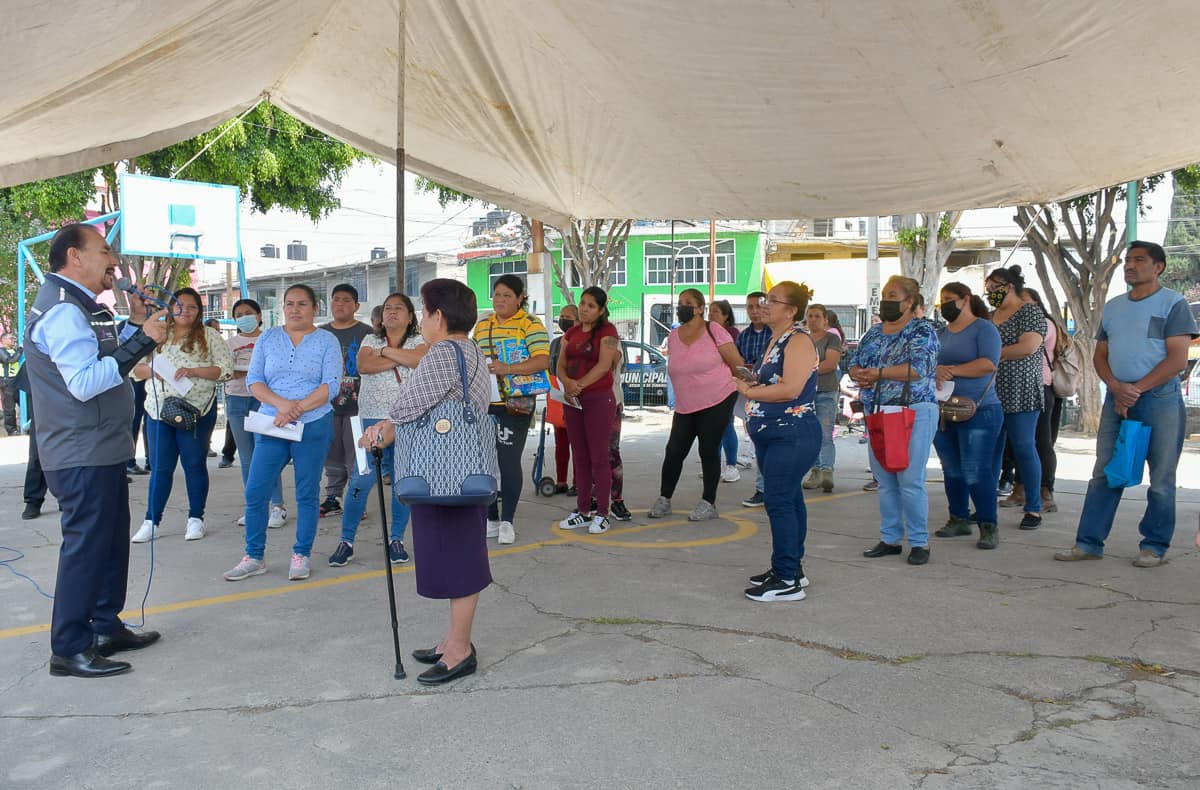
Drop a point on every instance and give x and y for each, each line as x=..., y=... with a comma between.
x=126, y=285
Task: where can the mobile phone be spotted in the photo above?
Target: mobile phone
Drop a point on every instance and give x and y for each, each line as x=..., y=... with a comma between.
x=745, y=374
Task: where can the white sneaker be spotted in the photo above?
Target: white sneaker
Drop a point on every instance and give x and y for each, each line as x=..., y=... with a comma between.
x=574, y=521
x=493, y=528
x=241, y=522
x=599, y=525
x=506, y=533
x=731, y=474
x=278, y=516
x=195, y=529
x=146, y=533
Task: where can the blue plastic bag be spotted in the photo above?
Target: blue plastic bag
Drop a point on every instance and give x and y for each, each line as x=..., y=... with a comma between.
x=1129, y=455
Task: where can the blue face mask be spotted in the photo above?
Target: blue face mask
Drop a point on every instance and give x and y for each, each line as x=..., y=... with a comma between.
x=247, y=323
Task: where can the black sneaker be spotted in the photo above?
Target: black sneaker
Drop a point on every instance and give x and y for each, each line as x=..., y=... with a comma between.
x=1031, y=521
x=224, y=463
x=396, y=553
x=918, y=555
x=762, y=578
x=755, y=500
x=32, y=510
x=341, y=555
x=618, y=511
x=572, y=491
x=1004, y=489
x=776, y=589
x=331, y=506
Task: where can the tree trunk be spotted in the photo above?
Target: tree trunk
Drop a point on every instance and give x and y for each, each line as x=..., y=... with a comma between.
x=1088, y=391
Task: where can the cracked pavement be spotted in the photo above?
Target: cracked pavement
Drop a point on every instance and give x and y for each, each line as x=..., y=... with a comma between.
x=603, y=665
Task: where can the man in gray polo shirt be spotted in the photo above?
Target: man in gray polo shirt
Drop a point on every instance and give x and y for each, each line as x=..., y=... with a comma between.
x=1141, y=348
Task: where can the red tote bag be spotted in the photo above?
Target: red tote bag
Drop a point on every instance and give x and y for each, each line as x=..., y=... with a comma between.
x=890, y=431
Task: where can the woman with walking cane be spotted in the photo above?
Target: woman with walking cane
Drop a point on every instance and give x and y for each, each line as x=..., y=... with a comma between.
x=449, y=541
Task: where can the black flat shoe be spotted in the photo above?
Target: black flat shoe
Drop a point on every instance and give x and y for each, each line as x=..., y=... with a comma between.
x=919, y=555
x=107, y=644
x=427, y=655
x=32, y=510
x=882, y=549
x=88, y=664
x=440, y=673
x=1031, y=521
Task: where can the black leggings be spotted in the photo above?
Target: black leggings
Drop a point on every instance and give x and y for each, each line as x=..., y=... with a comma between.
x=511, y=432
x=1047, y=435
x=707, y=425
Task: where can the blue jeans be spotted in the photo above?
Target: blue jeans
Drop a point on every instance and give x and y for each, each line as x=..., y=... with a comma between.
x=729, y=444
x=358, y=494
x=827, y=408
x=968, y=454
x=1163, y=410
x=1020, y=428
x=189, y=448
x=785, y=454
x=236, y=409
x=271, y=455
x=903, y=501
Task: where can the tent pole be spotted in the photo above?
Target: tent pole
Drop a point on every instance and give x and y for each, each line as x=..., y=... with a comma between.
x=400, y=25
x=1131, y=212
x=712, y=260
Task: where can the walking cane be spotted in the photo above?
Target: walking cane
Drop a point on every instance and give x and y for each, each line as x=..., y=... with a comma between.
x=387, y=561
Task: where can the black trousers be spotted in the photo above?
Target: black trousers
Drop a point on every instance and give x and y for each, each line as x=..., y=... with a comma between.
x=1047, y=435
x=8, y=392
x=35, y=481
x=139, y=418
x=93, y=562
x=511, y=432
x=707, y=426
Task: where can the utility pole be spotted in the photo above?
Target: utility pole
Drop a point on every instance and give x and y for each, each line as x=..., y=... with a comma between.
x=872, y=269
x=712, y=260
x=537, y=259
x=1131, y=212
x=402, y=10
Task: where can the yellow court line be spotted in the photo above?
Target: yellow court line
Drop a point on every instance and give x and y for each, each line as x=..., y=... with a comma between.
x=746, y=528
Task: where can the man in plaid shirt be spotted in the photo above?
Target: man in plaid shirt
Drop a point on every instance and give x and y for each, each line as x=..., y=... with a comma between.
x=752, y=343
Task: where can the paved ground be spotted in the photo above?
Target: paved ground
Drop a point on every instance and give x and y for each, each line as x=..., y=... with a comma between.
x=631, y=659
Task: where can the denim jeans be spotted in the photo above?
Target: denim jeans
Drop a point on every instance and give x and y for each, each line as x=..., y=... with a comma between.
x=1163, y=410
x=903, y=501
x=358, y=494
x=827, y=408
x=271, y=455
x=1020, y=428
x=236, y=409
x=729, y=444
x=967, y=451
x=785, y=454
x=189, y=448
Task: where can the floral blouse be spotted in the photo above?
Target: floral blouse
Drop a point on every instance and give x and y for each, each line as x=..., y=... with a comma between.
x=203, y=393
x=917, y=344
x=760, y=414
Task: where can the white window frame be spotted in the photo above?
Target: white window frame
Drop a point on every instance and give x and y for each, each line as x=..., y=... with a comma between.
x=518, y=267
x=691, y=262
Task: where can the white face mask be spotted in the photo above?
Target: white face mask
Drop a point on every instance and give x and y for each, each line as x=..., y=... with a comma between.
x=247, y=323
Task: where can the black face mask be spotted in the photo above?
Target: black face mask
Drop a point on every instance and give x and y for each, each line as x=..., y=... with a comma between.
x=951, y=312
x=565, y=323
x=889, y=310
x=996, y=298
x=685, y=313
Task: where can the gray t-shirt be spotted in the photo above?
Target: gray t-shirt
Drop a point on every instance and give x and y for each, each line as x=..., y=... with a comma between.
x=1136, y=331
x=827, y=382
x=345, y=403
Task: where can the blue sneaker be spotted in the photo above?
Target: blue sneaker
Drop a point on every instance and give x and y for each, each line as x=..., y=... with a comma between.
x=341, y=555
x=396, y=553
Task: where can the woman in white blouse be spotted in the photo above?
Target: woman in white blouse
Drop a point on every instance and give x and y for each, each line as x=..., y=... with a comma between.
x=198, y=356
x=385, y=360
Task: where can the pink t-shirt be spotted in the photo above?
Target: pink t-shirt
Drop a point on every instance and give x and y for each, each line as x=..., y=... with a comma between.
x=700, y=377
x=1051, y=340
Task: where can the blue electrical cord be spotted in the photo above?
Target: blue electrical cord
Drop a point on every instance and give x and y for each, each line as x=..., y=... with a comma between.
x=151, y=458
x=7, y=563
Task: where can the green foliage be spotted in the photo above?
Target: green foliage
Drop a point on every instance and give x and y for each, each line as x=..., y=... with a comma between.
x=445, y=195
x=55, y=200
x=1182, y=241
x=914, y=238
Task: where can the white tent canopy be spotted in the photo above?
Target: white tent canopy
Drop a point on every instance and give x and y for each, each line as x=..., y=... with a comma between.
x=636, y=108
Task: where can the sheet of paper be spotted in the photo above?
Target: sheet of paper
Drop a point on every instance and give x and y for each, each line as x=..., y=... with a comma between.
x=944, y=390
x=495, y=396
x=561, y=397
x=360, y=453
x=165, y=369
x=257, y=422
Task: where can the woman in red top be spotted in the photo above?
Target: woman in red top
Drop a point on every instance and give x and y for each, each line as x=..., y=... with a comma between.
x=585, y=365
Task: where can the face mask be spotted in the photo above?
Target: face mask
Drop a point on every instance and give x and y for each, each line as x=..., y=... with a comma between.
x=565, y=323
x=247, y=323
x=889, y=310
x=950, y=311
x=685, y=313
x=996, y=298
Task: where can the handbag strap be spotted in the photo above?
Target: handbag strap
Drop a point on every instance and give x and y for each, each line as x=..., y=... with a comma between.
x=905, y=395
x=468, y=412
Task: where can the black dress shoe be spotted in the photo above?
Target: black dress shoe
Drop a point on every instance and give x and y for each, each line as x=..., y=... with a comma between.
x=882, y=549
x=440, y=673
x=88, y=664
x=32, y=510
x=107, y=644
x=919, y=555
x=430, y=655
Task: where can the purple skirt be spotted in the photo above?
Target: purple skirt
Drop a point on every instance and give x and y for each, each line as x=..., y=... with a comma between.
x=450, y=545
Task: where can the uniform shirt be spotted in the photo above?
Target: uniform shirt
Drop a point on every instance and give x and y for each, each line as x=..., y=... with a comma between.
x=293, y=372
x=520, y=326
x=10, y=363
x=1136, y=331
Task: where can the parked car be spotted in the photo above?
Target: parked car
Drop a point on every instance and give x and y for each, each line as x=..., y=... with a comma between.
x=644, y=377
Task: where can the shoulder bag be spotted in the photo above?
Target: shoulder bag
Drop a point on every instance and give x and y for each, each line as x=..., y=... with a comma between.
x=891, y=431
x=450, y=452
x=957, y=408
x=1064, y=372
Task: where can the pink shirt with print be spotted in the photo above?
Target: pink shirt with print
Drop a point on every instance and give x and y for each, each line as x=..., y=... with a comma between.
x=698, y=373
